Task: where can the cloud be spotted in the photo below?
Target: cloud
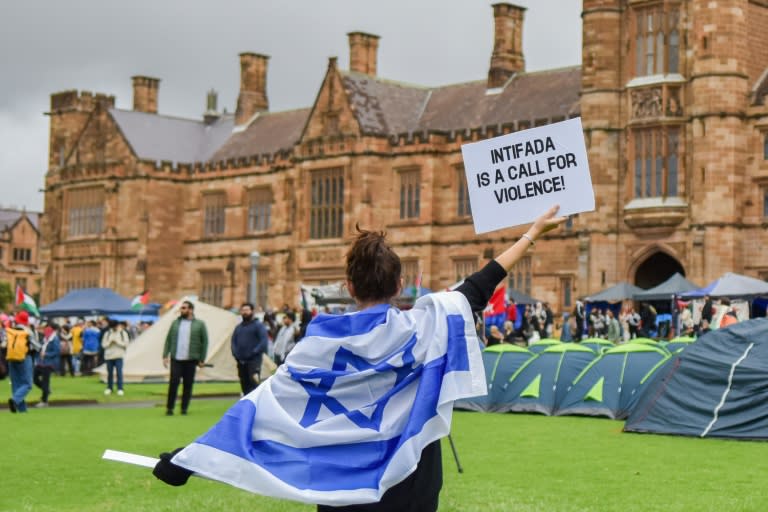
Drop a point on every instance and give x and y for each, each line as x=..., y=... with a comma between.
x=193, y=45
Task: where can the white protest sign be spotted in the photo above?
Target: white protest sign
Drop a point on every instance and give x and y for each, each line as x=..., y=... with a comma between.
x=514, y=178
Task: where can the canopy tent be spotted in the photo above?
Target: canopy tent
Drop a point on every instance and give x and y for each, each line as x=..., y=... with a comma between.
x=91, y=302
x=610, y=385
x=144, y=359
x=520, y=297
x=675, y=285
x=731, y=285
x=714, y=388
x=500, y=362
x=542, y=382
x=615, y=293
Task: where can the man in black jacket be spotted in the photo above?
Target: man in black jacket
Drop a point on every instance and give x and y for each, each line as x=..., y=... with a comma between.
x=249, y=342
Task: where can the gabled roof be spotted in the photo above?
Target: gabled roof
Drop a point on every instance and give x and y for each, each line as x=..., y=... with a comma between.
x=388, y=108
x=384, y=107
x=267, y=134
x=163, y=138
x=9, y=217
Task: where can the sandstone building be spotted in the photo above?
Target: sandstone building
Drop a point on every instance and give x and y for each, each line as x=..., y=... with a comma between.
x=19, y=254
x=672, y=99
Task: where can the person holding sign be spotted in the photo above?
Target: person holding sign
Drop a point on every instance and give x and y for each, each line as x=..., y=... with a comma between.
x=353, y=419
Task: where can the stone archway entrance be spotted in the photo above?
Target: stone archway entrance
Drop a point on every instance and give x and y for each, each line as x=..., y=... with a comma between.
x=656, y=269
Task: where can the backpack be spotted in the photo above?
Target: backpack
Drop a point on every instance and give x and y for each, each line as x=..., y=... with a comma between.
x=18, y=344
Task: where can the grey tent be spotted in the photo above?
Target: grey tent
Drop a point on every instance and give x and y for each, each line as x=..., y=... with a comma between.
x=615, y=293
x=520, y=297
x=714, y=388
x=675, y=285
x=732, y=285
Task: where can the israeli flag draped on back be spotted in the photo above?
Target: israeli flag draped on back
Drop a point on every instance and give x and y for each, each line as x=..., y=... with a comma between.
x=348, y=414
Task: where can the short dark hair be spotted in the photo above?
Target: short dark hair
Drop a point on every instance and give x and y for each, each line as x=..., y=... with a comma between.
x=247, y=304
x=188, y=304
x=291, y=315
x=373, y=267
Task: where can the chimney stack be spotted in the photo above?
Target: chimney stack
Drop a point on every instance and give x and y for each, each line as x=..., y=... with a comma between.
x=253, y=87
x=211, y=113
x=145, y=94
x=363, y=50
x=507, y=58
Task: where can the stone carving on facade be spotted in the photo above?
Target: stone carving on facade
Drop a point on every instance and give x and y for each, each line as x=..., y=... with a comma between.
x=674, y=107
x=647, y=103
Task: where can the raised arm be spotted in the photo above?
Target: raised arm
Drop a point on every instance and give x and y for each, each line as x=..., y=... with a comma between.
x=479, y=287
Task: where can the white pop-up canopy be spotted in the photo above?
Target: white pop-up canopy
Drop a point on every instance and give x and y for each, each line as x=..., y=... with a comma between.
x=144, y=358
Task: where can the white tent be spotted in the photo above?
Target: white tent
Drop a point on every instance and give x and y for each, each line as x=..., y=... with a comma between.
x=144, y=358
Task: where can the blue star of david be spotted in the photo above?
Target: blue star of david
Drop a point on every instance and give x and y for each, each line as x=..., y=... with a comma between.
x=318, y=390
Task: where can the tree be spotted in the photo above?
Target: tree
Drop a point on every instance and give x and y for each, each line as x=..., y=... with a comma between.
x=6, y=295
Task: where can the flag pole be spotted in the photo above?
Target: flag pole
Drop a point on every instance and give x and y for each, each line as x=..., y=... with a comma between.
x=455, y=454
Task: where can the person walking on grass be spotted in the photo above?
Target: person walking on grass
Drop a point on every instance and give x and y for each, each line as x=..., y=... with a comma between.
x=20, y=339
x=115, y=344
x=48, y=362
x=186, y=347
x=321, y=429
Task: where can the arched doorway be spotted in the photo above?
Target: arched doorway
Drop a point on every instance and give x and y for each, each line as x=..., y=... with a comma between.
x=656, y=269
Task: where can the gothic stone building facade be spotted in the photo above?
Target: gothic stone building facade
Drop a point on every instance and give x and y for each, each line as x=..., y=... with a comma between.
x=671, y=95
x=19, y=254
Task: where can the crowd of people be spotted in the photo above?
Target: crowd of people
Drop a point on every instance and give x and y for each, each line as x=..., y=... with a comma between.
x=31, y=351
x=527, y=324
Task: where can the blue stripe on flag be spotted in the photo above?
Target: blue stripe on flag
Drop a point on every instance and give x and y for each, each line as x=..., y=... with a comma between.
x=458, y=359
x=340, y=326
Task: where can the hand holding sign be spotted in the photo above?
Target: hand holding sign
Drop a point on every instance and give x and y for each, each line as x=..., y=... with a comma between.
x=513, y=178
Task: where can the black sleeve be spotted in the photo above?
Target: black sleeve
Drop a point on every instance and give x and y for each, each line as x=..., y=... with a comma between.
x=479, y=287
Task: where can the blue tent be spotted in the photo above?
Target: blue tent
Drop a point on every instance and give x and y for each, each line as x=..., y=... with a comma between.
x=501, y=362
x=91, y=302
x=717, y=387
x=541, y=383
x=610, y=385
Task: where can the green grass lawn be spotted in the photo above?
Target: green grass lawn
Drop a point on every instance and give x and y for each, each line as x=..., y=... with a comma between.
x=51, y=461
x=90, y=389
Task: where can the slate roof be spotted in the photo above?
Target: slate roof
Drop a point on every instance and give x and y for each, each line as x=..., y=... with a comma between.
x=267, y=134
x=156, y=137
x=9, y=217
x=388, y=108
x=382, y=107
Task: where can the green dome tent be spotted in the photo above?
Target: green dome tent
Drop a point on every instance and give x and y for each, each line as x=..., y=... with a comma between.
x=678, y=344
x=610, y=385
x=597, y=344
x=541, y=345
x=501, y=362
x=542, y=382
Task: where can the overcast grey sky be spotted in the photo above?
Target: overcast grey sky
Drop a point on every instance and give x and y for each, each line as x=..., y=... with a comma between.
x=48, y=46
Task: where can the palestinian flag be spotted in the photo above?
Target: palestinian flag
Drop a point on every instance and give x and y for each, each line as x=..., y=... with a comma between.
x=26, y=302
x=140, y=301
